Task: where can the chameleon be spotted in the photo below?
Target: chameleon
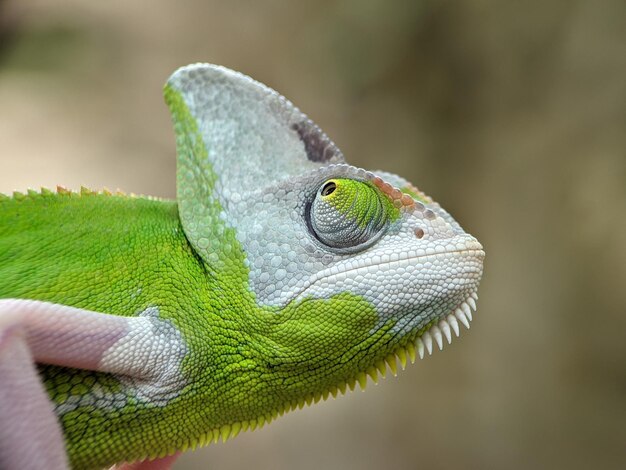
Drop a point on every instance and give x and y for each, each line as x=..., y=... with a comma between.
x=133, y=328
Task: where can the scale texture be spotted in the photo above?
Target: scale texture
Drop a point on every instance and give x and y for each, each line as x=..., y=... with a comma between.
x=280, y=275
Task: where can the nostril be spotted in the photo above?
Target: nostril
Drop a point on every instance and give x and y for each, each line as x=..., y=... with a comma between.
x=419, y=233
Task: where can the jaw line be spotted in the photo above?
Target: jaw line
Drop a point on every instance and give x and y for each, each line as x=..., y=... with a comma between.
x=477, y=253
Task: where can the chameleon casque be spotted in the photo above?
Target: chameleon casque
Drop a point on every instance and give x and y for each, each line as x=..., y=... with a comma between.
x=134, y=327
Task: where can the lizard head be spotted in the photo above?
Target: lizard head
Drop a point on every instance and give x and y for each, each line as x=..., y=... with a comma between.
x=336, y=270
x=381, y=238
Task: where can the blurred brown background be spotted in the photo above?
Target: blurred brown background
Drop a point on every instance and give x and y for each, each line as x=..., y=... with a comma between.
x=511, y=114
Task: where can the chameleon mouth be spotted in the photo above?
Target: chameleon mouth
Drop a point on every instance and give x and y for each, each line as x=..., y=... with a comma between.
x=473, y=249
x=337, y=274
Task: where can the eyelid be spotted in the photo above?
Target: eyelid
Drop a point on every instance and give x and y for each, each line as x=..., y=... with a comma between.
x=331, y=185
x=341, y=221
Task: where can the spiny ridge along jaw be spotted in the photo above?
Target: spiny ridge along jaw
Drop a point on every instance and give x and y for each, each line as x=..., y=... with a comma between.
x=436, y=333
x=443, y=328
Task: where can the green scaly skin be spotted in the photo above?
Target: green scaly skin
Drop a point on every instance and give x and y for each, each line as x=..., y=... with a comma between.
x=244, y=351
x=247, y=360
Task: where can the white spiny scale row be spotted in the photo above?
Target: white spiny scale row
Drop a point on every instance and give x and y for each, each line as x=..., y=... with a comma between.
x=446, y=326
x=437, y=332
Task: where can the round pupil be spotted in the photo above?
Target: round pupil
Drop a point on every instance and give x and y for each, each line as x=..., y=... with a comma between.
x=328, y=188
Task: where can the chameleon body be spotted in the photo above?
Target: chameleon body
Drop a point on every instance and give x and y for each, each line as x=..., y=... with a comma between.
x=279, y=276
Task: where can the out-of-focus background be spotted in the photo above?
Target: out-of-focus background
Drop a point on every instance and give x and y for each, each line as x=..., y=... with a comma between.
x=511, y=114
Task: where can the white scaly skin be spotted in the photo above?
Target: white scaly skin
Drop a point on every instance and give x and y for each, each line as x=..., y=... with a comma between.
x=276, y=179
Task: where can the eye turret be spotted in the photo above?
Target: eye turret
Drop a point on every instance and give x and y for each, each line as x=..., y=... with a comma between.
x=350, y=215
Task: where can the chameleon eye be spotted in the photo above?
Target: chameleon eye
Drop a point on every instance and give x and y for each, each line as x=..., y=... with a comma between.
x=348, y=214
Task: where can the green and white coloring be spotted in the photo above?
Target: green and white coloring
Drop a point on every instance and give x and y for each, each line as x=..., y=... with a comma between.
x=133, y=328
